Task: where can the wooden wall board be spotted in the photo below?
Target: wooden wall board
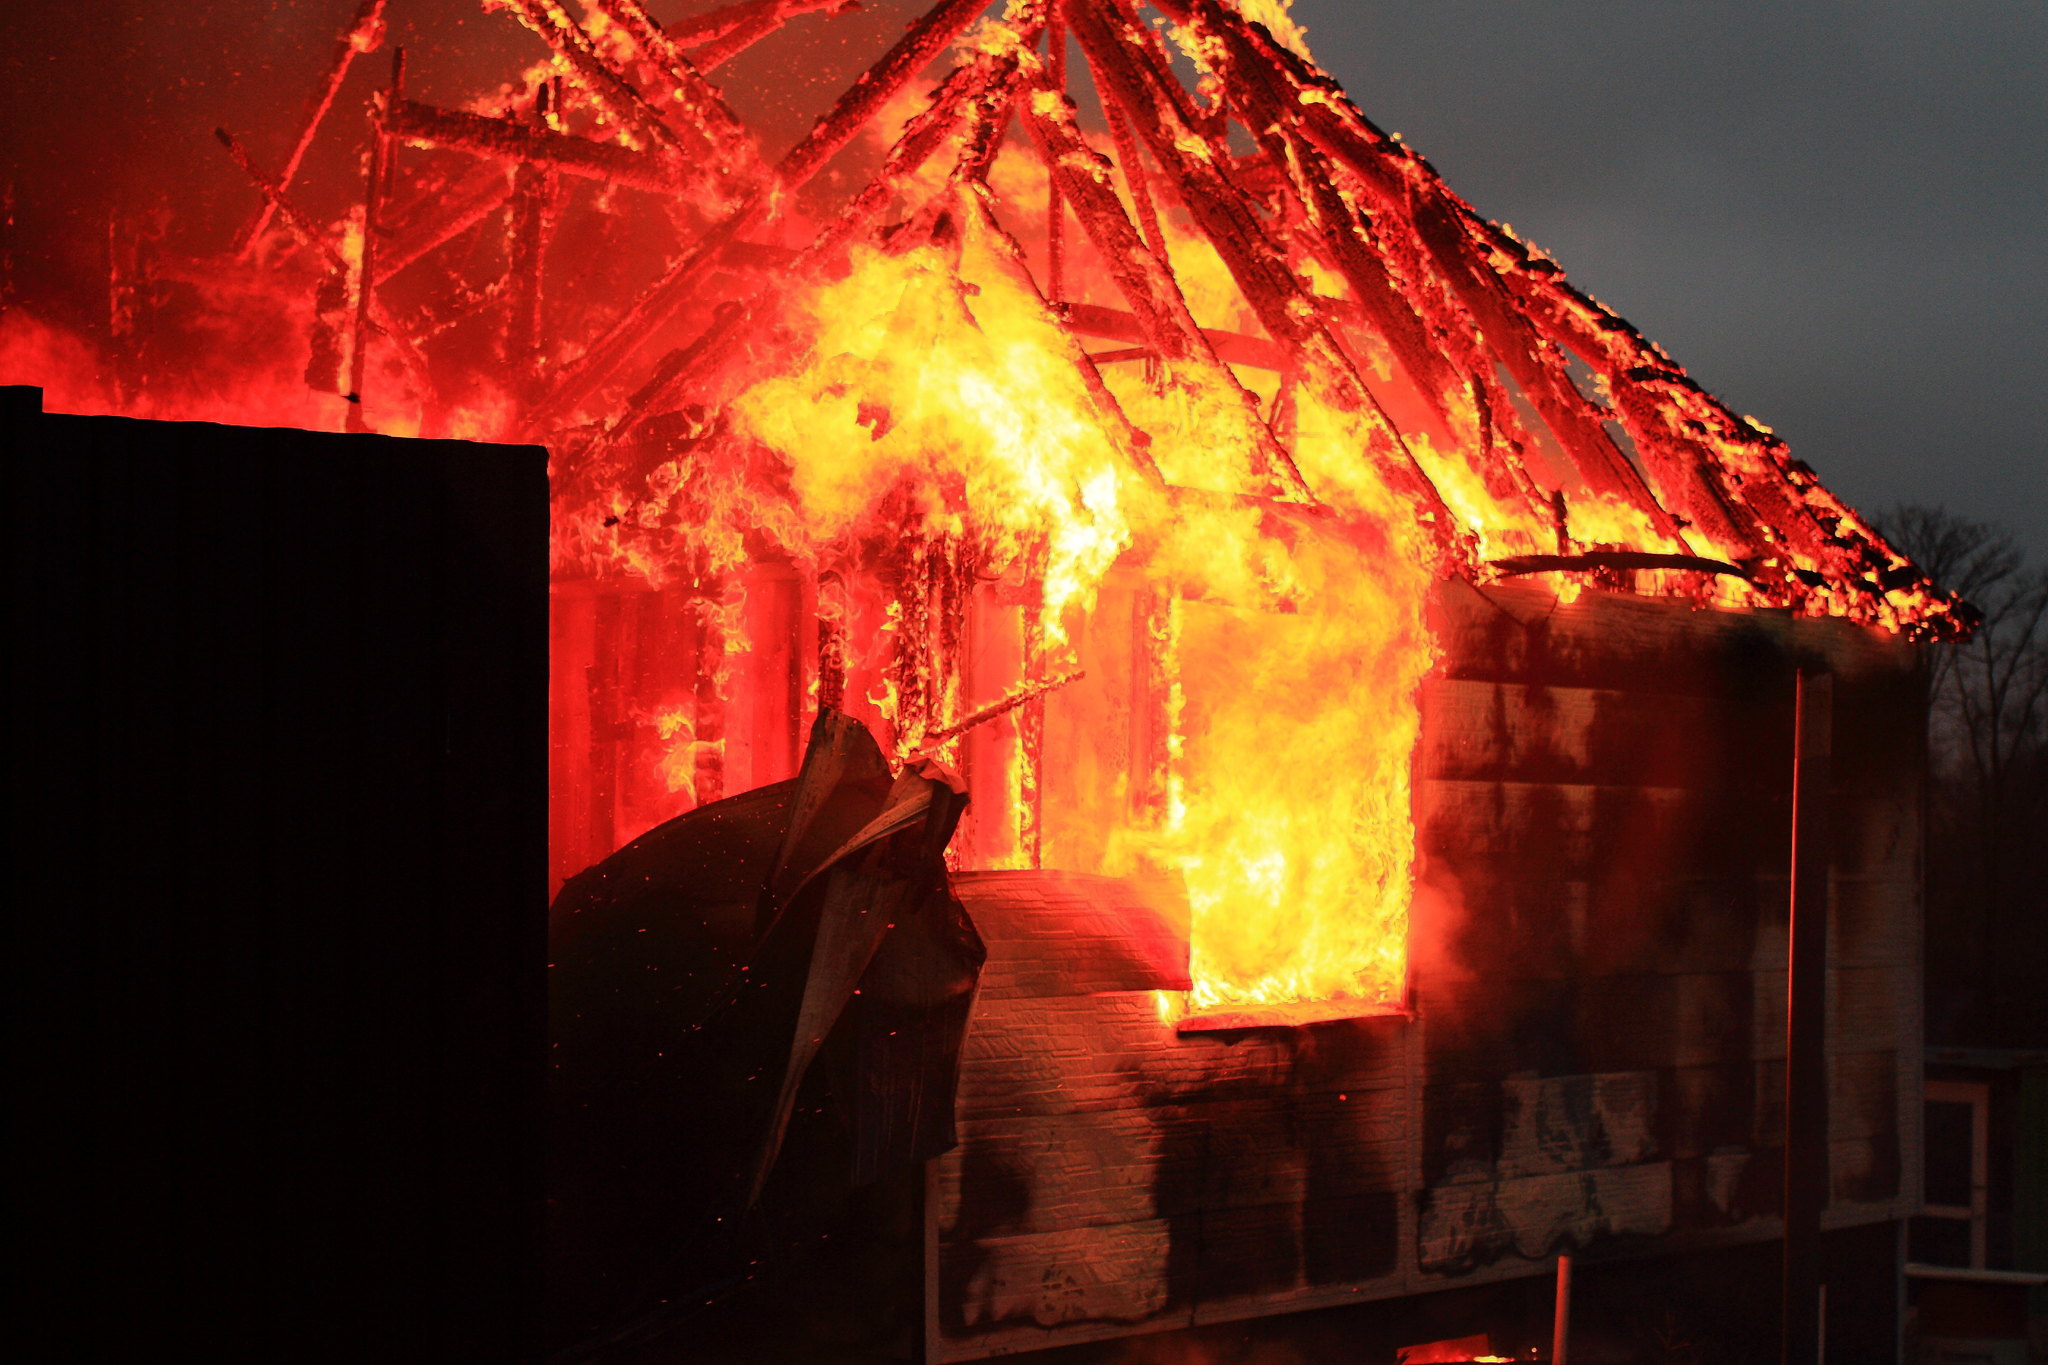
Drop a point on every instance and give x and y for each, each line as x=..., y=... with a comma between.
x=1864, y=1170
x=1863, y=1006
x=1563, y=830
x=1521, y=633
x=1708, y=1109
x=1534, y=1217
x=1054, y=934
x=1276, y=1250
x=1084, y=1053
x=1874, y=920
x=1770, y=1103
x=1876, y=835
x=1527, y=1125
x=1478, y=1029
x=1040, y=1172
x=1863, y=1094
x=1476, y=730
x=1598, y=986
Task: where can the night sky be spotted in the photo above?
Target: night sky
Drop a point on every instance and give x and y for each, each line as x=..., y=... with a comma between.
x=1831, y=213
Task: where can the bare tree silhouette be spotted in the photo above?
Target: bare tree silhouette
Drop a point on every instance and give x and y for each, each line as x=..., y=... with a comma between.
x=1987, y=855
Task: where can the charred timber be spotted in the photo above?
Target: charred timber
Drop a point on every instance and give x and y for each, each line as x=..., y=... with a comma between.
x=1157, y=306
x=971, y=112
x=614, y=96
x=1515, y=565
x=713, y=24
x=511, y=141
x=1028, y=693
x=436, y=219
x=762, y=20
x=699, y=108
x=1129, y=71
x=832, y=132
x=1128, y=441
x=1114, y=324
x=363, y=34
x=308, y=234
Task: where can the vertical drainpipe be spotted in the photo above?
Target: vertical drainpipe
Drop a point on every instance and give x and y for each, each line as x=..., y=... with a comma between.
x=1806, y=1101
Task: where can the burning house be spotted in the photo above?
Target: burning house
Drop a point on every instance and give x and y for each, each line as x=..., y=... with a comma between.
x=1353, y=678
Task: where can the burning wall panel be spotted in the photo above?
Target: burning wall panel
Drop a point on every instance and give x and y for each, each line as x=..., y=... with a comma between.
x=1595, y=1054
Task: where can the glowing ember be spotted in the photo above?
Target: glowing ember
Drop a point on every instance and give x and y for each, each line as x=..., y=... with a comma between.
x=1119, y=482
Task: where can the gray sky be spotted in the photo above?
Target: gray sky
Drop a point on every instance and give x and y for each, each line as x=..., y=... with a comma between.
x=1832, y=214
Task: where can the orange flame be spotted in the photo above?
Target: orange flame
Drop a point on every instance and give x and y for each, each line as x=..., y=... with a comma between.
x=963, y=504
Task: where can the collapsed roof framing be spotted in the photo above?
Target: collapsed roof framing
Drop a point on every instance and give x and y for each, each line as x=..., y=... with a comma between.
x=1267, y=160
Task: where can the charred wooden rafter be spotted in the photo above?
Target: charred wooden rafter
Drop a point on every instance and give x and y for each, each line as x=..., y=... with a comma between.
x=511, y=140
x=660, y=301
x=1452, y=301
x=362, y=35
x=1129, y=71
x=1157, y=306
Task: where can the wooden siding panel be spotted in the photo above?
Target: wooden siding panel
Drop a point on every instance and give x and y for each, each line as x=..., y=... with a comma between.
x=1476, y=1029
x=1526, y=1125
x=1172, y=1160
x=1874, y=920
x=1864, y=1006
x=1083, y=1053
x=1503, y=832
x=1599, y=946
x=1518, y=633
x=1467, y=1226
x=1877, y=835
x=1709, y=1109
x=1069, y=933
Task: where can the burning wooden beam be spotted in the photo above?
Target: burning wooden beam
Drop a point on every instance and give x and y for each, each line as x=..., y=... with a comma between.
x=433, y=220
x=1114, y=324
x=309, y=235
x=532, y=227
x=363, y=34
x=1128, y=441
x=510, y=140
x=1031, y=719
x=615, y=98
x=965, y=103
x=1118, y=49
x=1145, y=281
x=698, y=106
x=725, y=33
x=375, y=192
x=996, y=710
x=1127, y=160
x=716, y=23
x=1329, y=121
x=655, y=305
x=1055, y=210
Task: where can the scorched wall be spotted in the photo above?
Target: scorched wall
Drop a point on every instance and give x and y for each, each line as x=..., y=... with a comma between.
x=1593, y=1061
